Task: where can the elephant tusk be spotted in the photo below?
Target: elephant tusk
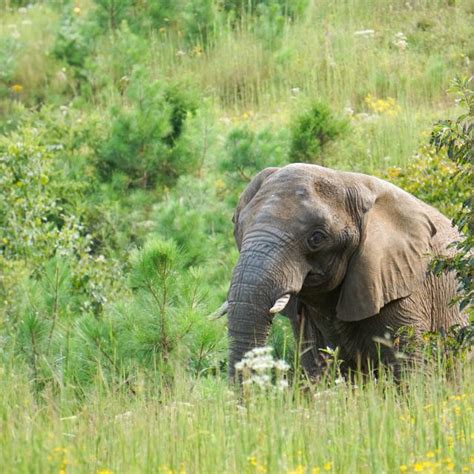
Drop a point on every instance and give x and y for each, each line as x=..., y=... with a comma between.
x=220, y=312
x=280, y=304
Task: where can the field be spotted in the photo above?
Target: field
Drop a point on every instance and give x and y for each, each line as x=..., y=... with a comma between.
x=128, y=130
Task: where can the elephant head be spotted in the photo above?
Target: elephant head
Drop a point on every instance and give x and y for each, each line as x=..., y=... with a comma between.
x=308, y=231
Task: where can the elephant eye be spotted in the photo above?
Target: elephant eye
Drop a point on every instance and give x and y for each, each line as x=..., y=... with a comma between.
x=316, y=238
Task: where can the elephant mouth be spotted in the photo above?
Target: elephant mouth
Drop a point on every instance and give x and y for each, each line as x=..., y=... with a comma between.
x=315, y=280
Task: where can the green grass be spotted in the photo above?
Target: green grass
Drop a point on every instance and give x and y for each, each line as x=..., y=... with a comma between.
x=200, y=425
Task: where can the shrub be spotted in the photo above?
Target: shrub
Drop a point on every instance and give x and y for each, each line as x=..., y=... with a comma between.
x=200, y=21
x=44, y=212
x=441, y=174
x=430, y=177
x=248, y=152
x=163, y=322
x=196, y=217
x=456, y=139
x=73, y=44
x=109, y=14
x=9, y=49
x=144, y=138
x=312, y=131
x=240, y=8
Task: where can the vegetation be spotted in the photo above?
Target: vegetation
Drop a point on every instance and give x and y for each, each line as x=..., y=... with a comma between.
x=128, y=130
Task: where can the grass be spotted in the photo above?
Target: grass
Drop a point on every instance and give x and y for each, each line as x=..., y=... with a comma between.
x=423, y=425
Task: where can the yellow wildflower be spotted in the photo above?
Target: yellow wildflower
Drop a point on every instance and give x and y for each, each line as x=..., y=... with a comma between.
x=386, y=106
x=252, y=460
x=394, y=171
x=16, y=88
x=430, y=454
x=220, y=185
x=104, y=471
x=327, y=466
x=77, y=10
x=197, y=50
x=403, y=468
x=299, y=469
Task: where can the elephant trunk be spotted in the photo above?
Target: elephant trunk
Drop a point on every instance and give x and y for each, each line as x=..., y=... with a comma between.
x=262, y=275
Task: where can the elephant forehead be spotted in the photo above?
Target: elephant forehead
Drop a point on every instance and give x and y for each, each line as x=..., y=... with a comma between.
x=295, y=205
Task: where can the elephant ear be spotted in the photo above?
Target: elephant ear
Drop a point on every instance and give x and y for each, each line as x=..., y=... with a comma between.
x=392, y=256
x=248, y=194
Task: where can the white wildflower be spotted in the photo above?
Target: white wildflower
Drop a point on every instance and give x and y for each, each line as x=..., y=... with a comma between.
x=365, y=33
x=281, y=365
x=400, y=41
x=262, y=368
x=349, y=111
x=261, y=351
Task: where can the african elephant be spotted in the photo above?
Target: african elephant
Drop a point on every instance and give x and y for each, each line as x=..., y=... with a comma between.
x=344, y=255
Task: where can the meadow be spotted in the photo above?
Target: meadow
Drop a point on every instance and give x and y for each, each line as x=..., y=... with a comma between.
x=128, y=130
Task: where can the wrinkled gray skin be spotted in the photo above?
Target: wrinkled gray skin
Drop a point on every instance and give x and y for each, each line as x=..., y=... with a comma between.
x=352, y=250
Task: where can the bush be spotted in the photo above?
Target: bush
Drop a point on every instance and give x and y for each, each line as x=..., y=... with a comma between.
x=441, y=174
x=163, y=322
x=144, y=138
x=312, y=131
x=248, y=152
x=73, y=44
x=430, y=177
x=456, y=139
x=197, y=220
x=45, y=212
x=240, y=8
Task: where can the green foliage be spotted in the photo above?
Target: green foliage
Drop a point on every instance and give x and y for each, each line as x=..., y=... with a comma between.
x=312, y=131
x=74, y=43
x=248, y=152
x=36, y=209
x=197, y=217
x=240, y=8
x=200, y=19
x=162, y=324
x=42, y=216
x=8, y=53
x=456, y=139
x=109, y=14
x=430, y=177
x=144, y=137
x=196, y=18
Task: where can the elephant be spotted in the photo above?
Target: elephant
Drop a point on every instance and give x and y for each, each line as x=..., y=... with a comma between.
x=345, y=256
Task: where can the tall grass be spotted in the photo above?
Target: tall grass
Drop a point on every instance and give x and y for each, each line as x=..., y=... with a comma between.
x=424, y=424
